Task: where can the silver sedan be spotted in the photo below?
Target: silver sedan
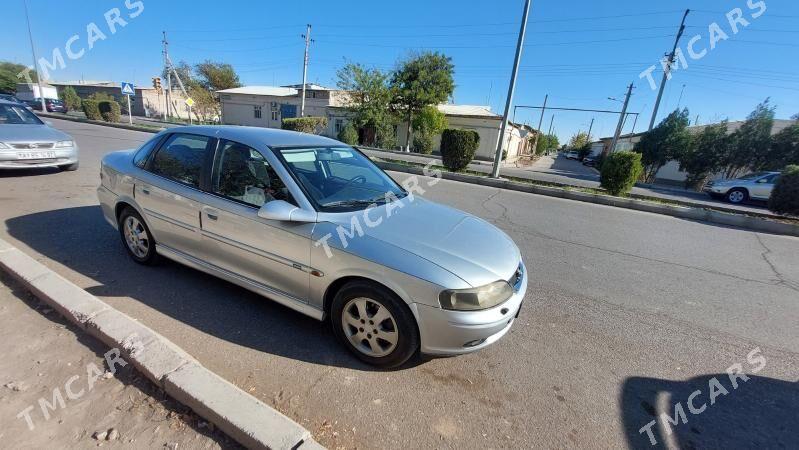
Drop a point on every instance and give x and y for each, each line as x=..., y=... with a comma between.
x=27, y=142
x=313, y=224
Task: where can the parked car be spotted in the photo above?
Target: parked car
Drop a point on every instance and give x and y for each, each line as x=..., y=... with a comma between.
x=590, y=161
x=265, y=209
x=52, y=105
x=26, y=141
x=10, y=98
x=572, y=155
x=755, y=186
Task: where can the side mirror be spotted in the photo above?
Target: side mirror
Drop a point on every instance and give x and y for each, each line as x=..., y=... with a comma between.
x=285, y=212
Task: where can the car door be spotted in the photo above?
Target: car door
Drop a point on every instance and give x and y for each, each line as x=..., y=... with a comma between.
x=273, y=254
x=762, y=188
x=169, y=190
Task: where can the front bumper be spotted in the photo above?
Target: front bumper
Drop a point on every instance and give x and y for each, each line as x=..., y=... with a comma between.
x=9, y=159
x=444, y=332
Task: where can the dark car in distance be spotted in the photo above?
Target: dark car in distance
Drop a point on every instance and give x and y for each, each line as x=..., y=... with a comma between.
x=52, y=105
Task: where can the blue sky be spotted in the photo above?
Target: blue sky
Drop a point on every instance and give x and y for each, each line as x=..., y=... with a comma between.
x=580, y=52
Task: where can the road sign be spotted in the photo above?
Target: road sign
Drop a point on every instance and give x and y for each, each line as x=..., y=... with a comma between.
x=127, y=89
x=190, y=102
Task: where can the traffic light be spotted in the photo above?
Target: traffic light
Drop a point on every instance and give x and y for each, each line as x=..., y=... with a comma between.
x=157, y=84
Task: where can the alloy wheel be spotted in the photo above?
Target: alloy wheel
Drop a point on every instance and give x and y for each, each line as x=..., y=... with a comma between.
x=370, y=327
x=136, y=237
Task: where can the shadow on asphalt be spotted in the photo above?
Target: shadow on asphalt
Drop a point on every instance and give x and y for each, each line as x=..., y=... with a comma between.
x=759, y=413
x=18, y=173
x=80, y=239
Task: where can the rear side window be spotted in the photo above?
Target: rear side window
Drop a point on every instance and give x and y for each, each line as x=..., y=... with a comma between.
x=181, y=158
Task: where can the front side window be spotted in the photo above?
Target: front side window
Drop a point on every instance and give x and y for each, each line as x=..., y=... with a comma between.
x=339, y=178
x=181, y=158
x=140, y=158
x=242, y=173
x=17, y=115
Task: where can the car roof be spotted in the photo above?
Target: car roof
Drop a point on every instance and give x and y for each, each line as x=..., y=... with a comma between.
x=9, y=102
x=257, y=136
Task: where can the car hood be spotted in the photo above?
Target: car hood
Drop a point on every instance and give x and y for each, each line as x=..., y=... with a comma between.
x=25, y=133
x=467, y=246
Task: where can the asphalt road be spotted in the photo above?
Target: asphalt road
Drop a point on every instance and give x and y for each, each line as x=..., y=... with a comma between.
x=626, y=313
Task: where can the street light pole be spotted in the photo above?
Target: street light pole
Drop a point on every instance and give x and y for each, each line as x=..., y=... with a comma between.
x=511, y=89
x=33, y=51
x=308, y=41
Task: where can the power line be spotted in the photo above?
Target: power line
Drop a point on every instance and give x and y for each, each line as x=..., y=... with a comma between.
x=596, y=41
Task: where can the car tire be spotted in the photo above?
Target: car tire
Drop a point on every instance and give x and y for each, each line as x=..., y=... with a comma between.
x=357, y=303
x=136, y=237
x=737, y=195
x=70, y=167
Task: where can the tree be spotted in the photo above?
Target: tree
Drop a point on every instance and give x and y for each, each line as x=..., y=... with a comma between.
x=703, y=156
x=547, y=142
x=215, y=76
x=784, y=149
x=785, y=196
x=348, y=134
x=666, y=142
x=369, y=98
x=9, y=78
x=751, y=141
x=620, y=171
x=579, y=140
x=428, y=123
x=183, y=69
x=70, y=98
x=424, y=79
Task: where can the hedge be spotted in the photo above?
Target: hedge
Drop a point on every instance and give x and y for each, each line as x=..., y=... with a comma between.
x=458, y=148
x=620, y=171
x=109, y=110
x=423, y=143
x=91, y=109
x=312, y=125
x=348, y=134
x=785, y=195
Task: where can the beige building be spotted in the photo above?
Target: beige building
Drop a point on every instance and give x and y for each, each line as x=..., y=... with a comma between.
x=146, y=103
x=267, y=106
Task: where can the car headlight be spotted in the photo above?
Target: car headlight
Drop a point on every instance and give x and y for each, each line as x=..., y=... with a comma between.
x=64, y=144
x=482, y=297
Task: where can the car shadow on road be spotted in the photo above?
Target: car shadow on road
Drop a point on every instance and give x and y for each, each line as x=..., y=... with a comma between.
x=18, y=173
x=760, y=413
x=79, y=238
x=568, y=168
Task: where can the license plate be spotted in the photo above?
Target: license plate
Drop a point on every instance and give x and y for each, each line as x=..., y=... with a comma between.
x=35, y=155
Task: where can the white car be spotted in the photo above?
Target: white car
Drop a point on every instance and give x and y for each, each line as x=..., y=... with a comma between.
x=755, y=186
x=27, y=142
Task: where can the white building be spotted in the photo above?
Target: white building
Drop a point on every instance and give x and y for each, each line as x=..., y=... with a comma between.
x=267, y=106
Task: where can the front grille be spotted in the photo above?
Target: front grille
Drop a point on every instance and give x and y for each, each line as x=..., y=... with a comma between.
x=32, y=162
x=32, y=145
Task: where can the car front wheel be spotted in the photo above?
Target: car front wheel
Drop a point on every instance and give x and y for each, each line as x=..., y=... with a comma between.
x=737, y=196
x=374, y=324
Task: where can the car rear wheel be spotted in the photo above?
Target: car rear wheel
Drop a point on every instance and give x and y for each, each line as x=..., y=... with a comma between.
x=737, y=195
x=374, y=324
x=136, y=237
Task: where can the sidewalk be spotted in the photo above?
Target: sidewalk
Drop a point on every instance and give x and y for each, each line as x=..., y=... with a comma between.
x=47, y=360
x=574, y=174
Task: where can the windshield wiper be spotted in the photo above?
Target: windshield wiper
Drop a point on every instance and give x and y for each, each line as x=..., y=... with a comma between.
x=376, y=200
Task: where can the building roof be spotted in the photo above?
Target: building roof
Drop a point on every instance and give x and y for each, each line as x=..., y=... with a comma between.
x=275, y=91
x=309, y=86
x=467, y=110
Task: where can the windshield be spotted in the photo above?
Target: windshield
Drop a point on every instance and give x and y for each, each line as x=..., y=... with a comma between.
x=17, y=114
x=339, y=178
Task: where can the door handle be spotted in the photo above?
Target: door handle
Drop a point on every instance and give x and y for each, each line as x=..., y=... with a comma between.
x=212, y=214
x=145, y=191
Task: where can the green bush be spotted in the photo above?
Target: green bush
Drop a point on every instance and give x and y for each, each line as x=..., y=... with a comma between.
x=620, y=171
x=91, y=109
x=348, y=134
x=312, y=125
x=423, y=143
x=785, y=196
x=70, y=97
x=109, y=110
x=458, y=148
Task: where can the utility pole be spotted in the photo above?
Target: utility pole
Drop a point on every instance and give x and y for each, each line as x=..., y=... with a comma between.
x=168, y=91
x=590, y=127
x=540, y=120
x=35, y=66
x=682, y=91
x=667, y=71
x=308, y=40
x=551, y=122
x=621, y=120
x=511, y=89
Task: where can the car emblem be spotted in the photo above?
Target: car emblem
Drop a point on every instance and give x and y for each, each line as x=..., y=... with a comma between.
x=33, y=145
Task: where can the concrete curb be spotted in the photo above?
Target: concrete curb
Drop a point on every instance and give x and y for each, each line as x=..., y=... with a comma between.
x=97, y=122
x=685, y=212
x=241, y=416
